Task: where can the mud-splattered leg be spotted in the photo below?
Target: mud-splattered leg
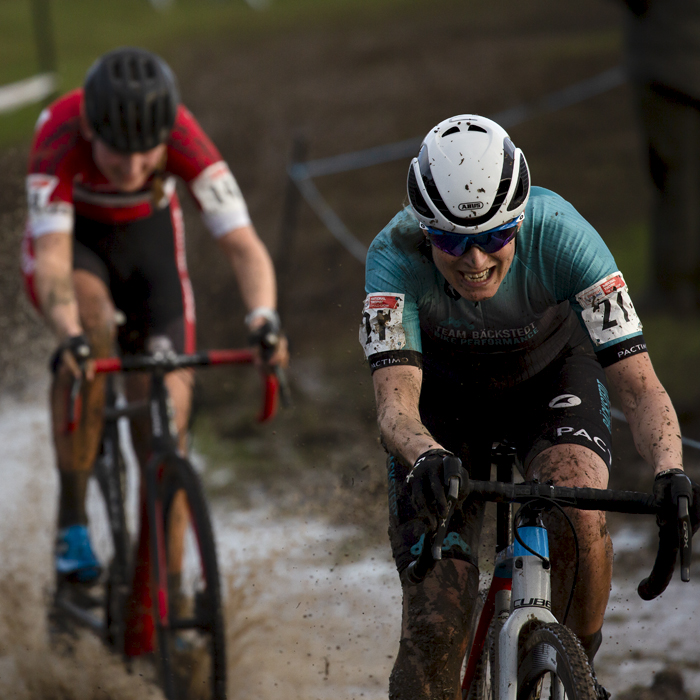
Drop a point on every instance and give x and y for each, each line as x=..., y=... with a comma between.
x=574, y=465
x=436, y=616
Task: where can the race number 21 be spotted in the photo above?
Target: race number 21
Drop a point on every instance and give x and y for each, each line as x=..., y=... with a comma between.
x=608, y=311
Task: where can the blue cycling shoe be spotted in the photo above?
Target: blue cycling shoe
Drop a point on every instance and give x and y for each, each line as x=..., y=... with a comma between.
x=75, y=560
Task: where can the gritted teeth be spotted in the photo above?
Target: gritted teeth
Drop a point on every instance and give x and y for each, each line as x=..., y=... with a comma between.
x=476, y=276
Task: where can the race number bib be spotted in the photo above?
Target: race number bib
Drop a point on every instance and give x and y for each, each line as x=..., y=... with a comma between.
x=381, y=329
x=216, y=190
x=608, y=311
x=39, y=191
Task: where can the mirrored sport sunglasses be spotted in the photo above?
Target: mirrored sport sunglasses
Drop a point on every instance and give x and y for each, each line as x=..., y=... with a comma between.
x=490, y=241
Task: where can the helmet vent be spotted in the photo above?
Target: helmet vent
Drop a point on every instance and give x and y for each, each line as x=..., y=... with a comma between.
x=131, y=99
x=523, y=185
x=453, y=130
x=474, y=127
x=414, y=194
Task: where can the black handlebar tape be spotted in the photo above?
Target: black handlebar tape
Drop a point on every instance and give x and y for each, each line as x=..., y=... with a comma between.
x=581, y=498
x=662, y=572
x=421, y=567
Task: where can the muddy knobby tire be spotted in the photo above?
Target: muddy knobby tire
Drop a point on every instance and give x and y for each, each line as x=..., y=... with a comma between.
x=551, y=652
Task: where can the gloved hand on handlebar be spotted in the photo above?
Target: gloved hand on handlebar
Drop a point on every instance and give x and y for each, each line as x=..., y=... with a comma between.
x=668, y=486
x=73, y=352
x=266, y=333
x=429, y=484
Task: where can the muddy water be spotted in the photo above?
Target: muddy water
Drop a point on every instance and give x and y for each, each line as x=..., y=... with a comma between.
x=304, y=619
x=642, y=637
x=307, y=618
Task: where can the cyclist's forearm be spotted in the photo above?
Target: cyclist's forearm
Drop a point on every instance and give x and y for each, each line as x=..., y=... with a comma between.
x=53, y=280
x=252, y=266
x=59, y=305
x=649, y=411
x=656, y=432
x=404, y=436
x=397, y=391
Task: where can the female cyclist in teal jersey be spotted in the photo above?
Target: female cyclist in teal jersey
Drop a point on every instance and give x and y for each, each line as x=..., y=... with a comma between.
x=494, y=312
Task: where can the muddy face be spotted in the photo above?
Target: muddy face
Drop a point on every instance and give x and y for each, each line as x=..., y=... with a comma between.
x=475, y=275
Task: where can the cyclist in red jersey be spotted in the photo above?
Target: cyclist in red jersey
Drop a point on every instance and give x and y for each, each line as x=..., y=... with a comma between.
x=104, y=255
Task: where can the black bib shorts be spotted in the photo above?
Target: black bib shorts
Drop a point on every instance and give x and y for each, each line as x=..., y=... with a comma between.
x=566, y=403
x=138, y=262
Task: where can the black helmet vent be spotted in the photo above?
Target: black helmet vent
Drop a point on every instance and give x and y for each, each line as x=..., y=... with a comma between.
x=523, y=186
x=415, y=196
x=131, y=99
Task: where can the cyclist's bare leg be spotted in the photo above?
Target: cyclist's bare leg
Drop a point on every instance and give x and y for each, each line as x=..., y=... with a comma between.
x=434, y=629
x=76, y=451
x=575, y=465
x=179, y=384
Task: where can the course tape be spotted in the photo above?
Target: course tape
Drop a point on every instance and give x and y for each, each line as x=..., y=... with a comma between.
x=303, y=173
x=25, y=92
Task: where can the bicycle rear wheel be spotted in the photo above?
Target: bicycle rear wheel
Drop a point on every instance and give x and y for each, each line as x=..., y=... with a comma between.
x=552, y=664
x=190, y=624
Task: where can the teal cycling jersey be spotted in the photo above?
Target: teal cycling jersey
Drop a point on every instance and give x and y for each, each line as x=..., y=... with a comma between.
x=563, y=290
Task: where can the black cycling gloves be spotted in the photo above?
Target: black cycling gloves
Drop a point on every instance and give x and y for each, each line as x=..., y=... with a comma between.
x=267, y=336
x=668, y=486
x=430, y=478
x=78, y=346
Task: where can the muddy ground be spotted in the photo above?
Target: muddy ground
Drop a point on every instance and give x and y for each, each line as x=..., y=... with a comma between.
x=343, y=86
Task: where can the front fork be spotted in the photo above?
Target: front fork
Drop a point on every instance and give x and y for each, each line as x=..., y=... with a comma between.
x=531, y=598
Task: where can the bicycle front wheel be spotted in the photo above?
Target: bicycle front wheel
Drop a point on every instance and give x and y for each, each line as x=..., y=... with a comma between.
x=190, y=630
x=552, y=664
x=484, y=682
x=110, y=534
x=484, y=685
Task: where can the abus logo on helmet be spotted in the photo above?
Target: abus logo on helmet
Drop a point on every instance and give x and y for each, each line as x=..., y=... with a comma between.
x=469, y=206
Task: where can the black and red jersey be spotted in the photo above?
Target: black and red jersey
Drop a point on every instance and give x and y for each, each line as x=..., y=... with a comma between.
x=63, y=180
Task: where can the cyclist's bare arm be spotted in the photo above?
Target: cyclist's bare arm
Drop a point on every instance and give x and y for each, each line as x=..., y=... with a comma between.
x=53, y=278
x=54, y=283
x=397, y=391
x=255, y=273
x=649, y=411
x=253, y=267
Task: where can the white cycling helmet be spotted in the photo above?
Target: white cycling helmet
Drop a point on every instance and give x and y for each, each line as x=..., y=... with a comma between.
x=468, y=176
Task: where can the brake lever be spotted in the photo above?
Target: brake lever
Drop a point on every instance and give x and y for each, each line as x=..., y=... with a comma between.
x=421, y=567
x=436, y=547
x=451, y=466
x=685, y=536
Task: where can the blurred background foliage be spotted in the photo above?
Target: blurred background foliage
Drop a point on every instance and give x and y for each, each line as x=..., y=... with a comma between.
x=84, y=29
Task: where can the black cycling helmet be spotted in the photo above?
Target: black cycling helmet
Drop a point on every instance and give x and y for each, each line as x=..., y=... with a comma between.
x=131, y=99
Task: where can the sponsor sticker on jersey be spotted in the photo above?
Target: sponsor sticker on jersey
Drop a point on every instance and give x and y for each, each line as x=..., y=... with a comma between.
x=216, y=190
x=381, y=329
x=608, y=311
